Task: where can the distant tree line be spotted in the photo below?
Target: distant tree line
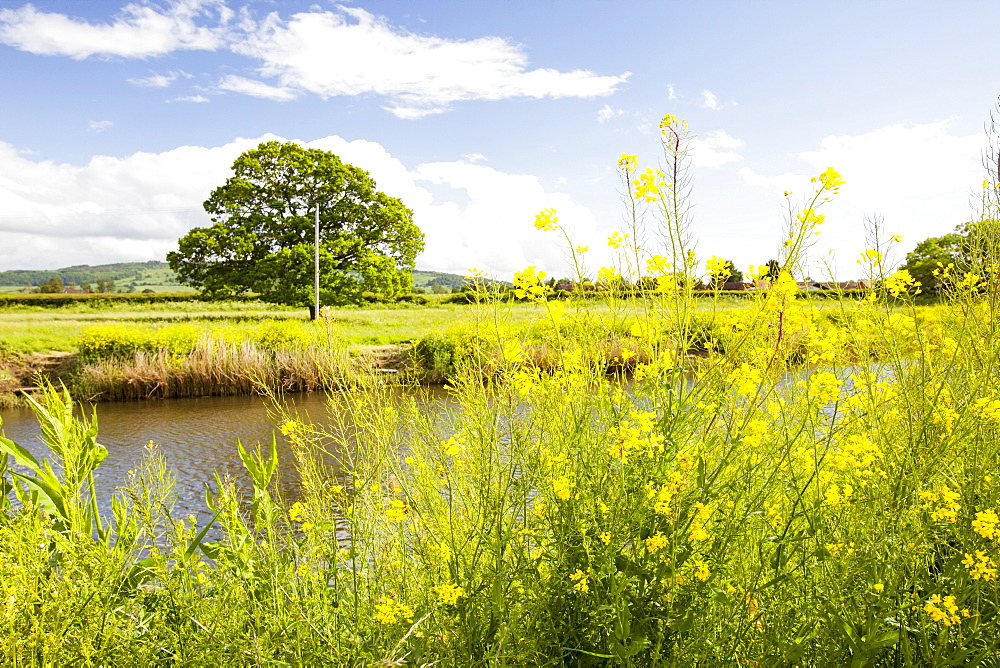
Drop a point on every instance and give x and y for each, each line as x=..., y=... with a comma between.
x=55, y=285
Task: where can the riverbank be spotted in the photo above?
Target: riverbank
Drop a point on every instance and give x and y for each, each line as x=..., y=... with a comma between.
x=229, y=350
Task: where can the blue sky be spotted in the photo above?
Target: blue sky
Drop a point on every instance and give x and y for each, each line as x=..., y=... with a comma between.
x=117, y=119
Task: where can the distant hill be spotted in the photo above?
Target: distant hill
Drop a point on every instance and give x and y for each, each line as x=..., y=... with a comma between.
x=135, y=275
x=428, y=279
x=157, y=275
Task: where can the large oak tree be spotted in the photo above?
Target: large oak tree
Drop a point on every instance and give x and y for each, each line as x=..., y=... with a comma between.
x=261, y=239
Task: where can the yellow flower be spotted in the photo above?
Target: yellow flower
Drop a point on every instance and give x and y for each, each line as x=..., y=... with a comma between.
x=824, y=386
x=453, y=445
x=718, y=267
x=528, y=283
x=389, y=611
x=754, y=433
x=649, y=185
x=449, y=593
x=946, y=502
x=878, y=587
x=830, y=179
x=835, y=495
x=810, y=219
x=985, y=524
x=608, y=275
x=546, y=220
x=561, y=486
x=944, y=611
x=701, y=570
x=698, y=532
x=900, y=281
x=629, y=163
x=656, y=542
x=396, y=510
x=580, y=582
x=872, y=257
x=981, y=567
x=746, y=379
x=296, y=511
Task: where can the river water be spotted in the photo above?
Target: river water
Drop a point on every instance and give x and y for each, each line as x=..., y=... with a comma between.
x=196, y=436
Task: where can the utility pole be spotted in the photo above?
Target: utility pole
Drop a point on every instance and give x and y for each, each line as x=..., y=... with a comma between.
x=315, y=313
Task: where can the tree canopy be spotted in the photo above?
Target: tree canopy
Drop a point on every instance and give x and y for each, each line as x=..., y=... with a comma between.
x=262, y=237
x=970, y=247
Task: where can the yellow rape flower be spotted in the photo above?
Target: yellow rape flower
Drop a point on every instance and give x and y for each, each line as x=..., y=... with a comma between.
x=985, y=524
x=980, y=566
x=746, y=379
x=698, y=532
x=831, y=180
x=389, y=611
x=944, y=610
x=562, y=486
x=449, y=593
x=396, y=510
x=546, y=220
x=296, y=512
x=824, y=386
x=629, y=163
x=656, y=542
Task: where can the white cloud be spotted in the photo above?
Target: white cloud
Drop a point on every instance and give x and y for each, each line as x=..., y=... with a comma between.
x=709, y=100
x=710, y=151
x=238, y=84
x=197, y=99
x=140, y=31
x=353, y=52
x=606, y=113
x=671, y=95
x=136, y=207
x=159, y=80
x=100, y=126
x=918, y=177
x=327, y=53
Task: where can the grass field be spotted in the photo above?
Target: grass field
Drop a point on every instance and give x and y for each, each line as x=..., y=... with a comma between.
x=27, y=329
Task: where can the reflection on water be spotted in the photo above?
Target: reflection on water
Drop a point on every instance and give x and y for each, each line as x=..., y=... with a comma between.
x=196, y=436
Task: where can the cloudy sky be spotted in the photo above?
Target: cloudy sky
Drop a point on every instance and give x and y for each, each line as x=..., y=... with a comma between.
x=118, y=119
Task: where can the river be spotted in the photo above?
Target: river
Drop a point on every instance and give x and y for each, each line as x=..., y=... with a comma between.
x=196, y=436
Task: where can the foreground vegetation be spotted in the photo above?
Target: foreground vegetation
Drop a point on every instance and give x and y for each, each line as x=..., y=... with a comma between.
x=774, y=484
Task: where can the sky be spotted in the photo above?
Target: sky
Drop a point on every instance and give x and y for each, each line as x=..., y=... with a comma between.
x=118, y=119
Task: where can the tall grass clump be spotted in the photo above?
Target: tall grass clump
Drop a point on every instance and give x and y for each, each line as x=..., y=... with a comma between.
x=785, y=483
x=126, y=362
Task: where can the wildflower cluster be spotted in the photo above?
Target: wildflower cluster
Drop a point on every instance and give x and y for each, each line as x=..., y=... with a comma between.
x=986, y=523
x=635, y=435
x=528, y=284
x=547, y=220
x=390, y=611
x=945, y=610
x=942, y=504
x=448, y=593
x=981, y=566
